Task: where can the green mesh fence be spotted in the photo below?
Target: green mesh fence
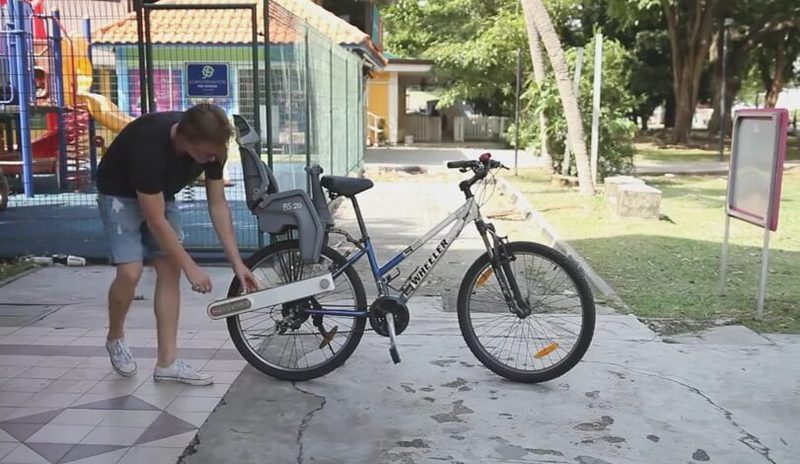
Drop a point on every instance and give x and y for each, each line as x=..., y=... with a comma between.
x=310, y=92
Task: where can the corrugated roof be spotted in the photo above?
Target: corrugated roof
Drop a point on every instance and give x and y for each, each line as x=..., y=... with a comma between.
x=230, y=27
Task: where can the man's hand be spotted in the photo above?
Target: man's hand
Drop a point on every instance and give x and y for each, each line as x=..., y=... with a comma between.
x=246, y=278
x=200, y=281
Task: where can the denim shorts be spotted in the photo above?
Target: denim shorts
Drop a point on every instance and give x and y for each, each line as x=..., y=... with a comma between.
x=129, y=237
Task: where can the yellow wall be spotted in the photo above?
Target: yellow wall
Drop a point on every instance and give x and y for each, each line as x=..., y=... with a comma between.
x=378, y=97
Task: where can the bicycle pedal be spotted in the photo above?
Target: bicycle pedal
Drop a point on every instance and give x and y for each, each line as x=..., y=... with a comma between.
x=328, y=337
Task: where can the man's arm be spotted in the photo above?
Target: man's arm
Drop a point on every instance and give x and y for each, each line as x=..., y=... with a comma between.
x=221, y=218
x=153, y=211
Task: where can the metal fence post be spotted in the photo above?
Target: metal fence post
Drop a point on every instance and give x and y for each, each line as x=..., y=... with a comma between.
x=139, y=7
x=268, y=83
x=347, y=104
x=330, y=100
x=87, y=32
x=151, y=97
x=256, y=83
x=59, y=78
x=308, y=108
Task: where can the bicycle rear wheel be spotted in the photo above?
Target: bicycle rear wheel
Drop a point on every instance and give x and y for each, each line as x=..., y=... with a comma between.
x=283, y=340
x=549, y=341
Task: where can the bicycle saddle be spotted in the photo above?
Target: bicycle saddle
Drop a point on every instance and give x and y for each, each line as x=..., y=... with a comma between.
x=346, y=186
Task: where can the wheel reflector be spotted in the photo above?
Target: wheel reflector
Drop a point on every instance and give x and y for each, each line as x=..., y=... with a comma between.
x=546, y=350
x=483, y=278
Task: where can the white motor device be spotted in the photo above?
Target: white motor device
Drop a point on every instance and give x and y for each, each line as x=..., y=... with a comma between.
x=294, y=291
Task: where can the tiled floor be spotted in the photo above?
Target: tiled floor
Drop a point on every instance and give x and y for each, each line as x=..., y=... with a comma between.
x=60, y=400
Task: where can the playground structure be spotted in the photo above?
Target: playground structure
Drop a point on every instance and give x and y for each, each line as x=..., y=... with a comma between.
x=313, y=62
x=45, y=71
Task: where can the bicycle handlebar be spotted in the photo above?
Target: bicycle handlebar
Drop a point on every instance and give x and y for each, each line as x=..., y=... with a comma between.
x=485, y=161
x=460, y=164
x=480, y=169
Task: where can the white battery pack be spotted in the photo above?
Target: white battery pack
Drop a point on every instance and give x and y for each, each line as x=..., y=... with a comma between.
x=221, y=309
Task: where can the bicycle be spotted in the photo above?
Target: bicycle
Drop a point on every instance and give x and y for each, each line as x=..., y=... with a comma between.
x=315, y=300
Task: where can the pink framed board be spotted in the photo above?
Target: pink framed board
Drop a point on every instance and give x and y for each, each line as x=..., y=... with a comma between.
x=758, y=151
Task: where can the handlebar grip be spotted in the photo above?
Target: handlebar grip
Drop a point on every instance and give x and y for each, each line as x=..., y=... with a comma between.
x=460, y=164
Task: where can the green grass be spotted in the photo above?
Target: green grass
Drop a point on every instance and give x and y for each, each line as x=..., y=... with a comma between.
x=9, y=269
x=648, y=150
x=669, y=268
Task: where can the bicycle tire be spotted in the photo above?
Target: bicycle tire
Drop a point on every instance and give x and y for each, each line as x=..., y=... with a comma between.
x=587, y=314
x=357, y=330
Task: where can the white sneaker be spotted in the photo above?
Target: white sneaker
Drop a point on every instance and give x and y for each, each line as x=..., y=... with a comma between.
x=121, y=357
x=179, y=371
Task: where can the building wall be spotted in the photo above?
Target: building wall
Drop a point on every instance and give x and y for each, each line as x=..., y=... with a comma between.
x=378, y=98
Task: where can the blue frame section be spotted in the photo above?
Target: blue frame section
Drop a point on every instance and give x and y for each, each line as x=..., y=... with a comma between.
x=377, y=271
x=336, y=312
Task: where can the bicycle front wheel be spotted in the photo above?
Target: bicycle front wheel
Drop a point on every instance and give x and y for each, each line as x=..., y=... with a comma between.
x=286, y=342
x=532, y=348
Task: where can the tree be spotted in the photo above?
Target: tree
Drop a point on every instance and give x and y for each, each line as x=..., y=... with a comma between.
x=473, y=43
x=775, y=61
x=689, y=23
x=652, y=84
x=539, y=70
x=617, y=129
x=536, y=12
x=761, y=29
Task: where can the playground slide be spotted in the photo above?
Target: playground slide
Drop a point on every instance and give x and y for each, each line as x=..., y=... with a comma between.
x=105, y=111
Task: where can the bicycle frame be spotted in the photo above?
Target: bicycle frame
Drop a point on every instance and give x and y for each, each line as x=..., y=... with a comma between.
x=468, y=212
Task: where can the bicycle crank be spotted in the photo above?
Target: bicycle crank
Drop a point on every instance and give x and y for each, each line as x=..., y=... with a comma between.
x=384, y=305
x=389, y=317
x=270, y=297
x=392, y=338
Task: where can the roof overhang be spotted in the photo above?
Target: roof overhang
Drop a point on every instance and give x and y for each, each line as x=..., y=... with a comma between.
x=409, y=66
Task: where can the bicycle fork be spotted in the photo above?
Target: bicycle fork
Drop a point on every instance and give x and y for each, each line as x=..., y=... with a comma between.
x=501, y=266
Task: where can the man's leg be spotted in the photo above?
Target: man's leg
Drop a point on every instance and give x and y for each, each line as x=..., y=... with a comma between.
x=167, y=309
x=122, y=222
x=120, y=295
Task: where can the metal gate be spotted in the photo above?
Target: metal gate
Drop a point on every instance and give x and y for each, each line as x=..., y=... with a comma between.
x=161, y=54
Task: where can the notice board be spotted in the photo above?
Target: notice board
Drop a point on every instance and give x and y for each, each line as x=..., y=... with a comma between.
x=758, y=151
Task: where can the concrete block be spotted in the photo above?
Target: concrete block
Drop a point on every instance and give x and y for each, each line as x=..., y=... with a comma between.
x=613, y=183
x=637, y=200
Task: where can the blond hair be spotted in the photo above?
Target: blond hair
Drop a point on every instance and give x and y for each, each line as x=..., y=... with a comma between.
x=206, y=122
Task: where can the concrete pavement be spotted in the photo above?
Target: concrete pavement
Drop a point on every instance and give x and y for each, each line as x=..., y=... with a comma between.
x=634, y=399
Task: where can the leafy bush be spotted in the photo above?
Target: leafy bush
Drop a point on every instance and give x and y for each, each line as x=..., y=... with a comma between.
x=617, y=105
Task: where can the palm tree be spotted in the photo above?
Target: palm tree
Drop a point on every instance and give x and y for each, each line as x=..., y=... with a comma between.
x=537, y=58
x=536, y=13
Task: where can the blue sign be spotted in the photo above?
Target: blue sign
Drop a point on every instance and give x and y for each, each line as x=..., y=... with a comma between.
x=207, y=79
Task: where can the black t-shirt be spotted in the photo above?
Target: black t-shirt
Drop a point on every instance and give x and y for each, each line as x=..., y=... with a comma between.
x=142, y=158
